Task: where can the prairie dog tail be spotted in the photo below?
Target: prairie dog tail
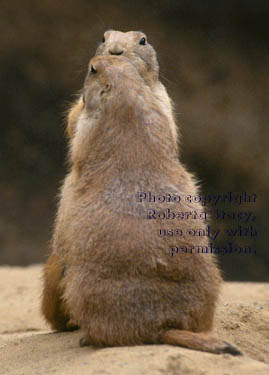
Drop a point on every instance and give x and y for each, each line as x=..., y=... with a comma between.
x=198, y=341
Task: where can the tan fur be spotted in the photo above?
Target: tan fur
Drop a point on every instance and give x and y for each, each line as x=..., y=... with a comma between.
x=53, y=306
x=120, y=284
x=145, y=60
x=73, y=117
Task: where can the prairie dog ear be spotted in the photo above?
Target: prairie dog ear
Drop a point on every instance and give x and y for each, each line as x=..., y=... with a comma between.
x=106, y=35
x=106, y=88
x=72, y=117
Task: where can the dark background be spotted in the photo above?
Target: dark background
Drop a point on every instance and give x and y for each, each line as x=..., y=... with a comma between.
x=214, y=62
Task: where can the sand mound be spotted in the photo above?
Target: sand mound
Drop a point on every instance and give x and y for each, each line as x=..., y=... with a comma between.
x=27, y=346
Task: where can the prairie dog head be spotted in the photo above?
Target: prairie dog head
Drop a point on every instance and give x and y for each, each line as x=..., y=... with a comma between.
x=111, y=92
x=134, y=46
x=107, y=77
x=119, y=113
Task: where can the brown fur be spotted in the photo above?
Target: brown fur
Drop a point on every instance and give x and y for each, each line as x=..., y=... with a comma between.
x=119, y=284
x=144, y=58
x=53, y=306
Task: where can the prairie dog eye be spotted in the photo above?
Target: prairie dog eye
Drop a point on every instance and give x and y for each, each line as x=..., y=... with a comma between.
x=103, y=40
x=93, y=70
x=143, y=41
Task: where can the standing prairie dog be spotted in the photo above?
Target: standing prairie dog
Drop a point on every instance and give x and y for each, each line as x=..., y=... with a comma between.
x=110, y=273
x=134, y=46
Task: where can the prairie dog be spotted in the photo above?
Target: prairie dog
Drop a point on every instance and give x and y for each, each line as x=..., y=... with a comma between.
x=110, y=273
x=134, y=46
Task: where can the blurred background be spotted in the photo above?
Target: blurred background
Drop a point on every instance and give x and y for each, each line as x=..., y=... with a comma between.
x=214, y=61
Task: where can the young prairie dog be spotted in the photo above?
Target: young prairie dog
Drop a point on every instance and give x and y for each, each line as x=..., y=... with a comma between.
x=134, y=46
x=110, y=273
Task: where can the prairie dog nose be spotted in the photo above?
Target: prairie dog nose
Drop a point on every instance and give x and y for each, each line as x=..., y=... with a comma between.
x=116, y=49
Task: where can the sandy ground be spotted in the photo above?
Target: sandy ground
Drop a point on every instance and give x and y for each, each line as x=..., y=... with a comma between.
x=27, y=346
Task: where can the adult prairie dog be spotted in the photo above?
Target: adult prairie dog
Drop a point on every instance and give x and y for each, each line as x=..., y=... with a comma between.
x=110, y=272
x=134, y=46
